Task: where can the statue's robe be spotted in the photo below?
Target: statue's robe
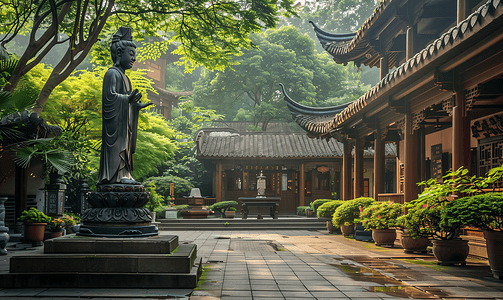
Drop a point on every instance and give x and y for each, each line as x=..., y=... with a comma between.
x=120, y=124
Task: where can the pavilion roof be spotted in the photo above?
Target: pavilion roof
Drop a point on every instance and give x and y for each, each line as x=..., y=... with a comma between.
x=228, y=143
x=487, y=18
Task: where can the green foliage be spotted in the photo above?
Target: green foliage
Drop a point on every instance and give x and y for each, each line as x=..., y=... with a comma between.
x=482, y=211
x=156, y=200
x=301, y=210
x=231, y=209
x=205, y=32
x=424, y=214
x=327, y=209
x=69, y=221
x=381, y=215
x=56, y=225
x=182, y=186
x=223, y=206
x=73, y=216
x=250, y=90
x=33, y=215
x=318, y=202
x=350, y=210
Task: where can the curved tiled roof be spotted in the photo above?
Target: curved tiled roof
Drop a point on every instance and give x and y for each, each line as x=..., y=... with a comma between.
x=310, y=118
x=458, y=33
x=264, y=145
x=354, y=46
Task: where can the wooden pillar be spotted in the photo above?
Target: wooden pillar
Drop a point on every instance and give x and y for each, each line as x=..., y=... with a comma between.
x=346, y=172
x=462, y=11
x=21, y=191
x=398, y=191
x=379, y=163
x=219, y=183
x=409, y=48
x=460, y=133
x=422, y=156
x=358, y=183
x=302, y=185
x=384, y=66
x=411, y=170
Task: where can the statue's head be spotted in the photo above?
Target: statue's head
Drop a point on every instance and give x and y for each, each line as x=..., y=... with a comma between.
x=123, y=49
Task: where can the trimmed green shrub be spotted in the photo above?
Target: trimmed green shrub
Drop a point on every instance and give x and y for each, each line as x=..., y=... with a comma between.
x=482, y=211
x=301, y=210
x=319, y=202
x=350, y=210
x=381, y=215
x=327, y=209
x=222, y=206
x=34, y=216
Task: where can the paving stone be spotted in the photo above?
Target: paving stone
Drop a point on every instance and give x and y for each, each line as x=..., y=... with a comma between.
x=292, y=294
x=267, y=294
x=236, y=293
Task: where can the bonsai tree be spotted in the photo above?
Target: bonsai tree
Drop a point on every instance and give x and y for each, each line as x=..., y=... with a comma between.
x=483, y=211
x=327, y=209
x=381, y=215
x=223, y=206
x=33, y=215
x=349, y=211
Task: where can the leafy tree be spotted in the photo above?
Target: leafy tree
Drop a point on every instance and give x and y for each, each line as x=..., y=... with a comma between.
x=251, y=89
x=208, y=32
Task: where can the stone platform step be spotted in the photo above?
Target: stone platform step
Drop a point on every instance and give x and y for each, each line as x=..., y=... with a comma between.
x=85, y=262
x=100, y=280
x=240, y=224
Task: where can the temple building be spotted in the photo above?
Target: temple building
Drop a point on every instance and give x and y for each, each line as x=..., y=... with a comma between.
x=439, y=98
x=298, y=169
x=164, y=100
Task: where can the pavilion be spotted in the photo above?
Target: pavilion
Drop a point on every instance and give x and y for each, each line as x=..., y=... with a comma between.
x=291, y=161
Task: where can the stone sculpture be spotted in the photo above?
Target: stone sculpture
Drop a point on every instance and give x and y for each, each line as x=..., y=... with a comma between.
x=117, y=206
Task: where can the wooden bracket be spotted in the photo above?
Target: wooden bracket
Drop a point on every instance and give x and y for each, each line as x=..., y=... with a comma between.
x=397, y=106
x=444, y=80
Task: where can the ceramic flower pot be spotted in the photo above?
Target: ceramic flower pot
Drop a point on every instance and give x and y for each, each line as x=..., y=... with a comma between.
x=330, y=227
x=34, y=232
x=230, y=214
x=56, y=234
x=494, y=244
x=384, y=236
x=450, y=252
x=348, y=230
x=410, y=244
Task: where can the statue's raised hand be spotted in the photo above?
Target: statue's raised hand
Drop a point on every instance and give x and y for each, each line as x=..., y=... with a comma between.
x=134, y=96
x=143, y=105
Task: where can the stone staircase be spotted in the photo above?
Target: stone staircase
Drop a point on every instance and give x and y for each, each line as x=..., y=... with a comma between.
x=282, y=223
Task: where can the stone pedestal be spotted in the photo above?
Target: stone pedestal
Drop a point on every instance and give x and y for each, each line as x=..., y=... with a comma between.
x=4, y=231
x=195, y=209
x=83, y=262
x=117, y=212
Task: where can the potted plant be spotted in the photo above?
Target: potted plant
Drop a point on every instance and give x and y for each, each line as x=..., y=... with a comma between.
x=317, y=203
x=230, y=212
x=326, y=211
x=222, y=206
x=410, y=244
x=69, y=223
x=425, y=216
x=381, y=217
x=485, y=212
x=56, y=227
x=34, y=224
x=345, y=215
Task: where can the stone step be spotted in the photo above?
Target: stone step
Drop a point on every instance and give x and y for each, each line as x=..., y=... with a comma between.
x=180, y=261
x=240, y=224
x=101, y=280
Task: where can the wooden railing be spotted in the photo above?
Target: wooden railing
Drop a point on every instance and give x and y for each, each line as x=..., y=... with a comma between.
x=395, y=198
x=207, y=201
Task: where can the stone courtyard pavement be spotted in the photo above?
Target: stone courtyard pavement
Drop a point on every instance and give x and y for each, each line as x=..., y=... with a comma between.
x=300, y=264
